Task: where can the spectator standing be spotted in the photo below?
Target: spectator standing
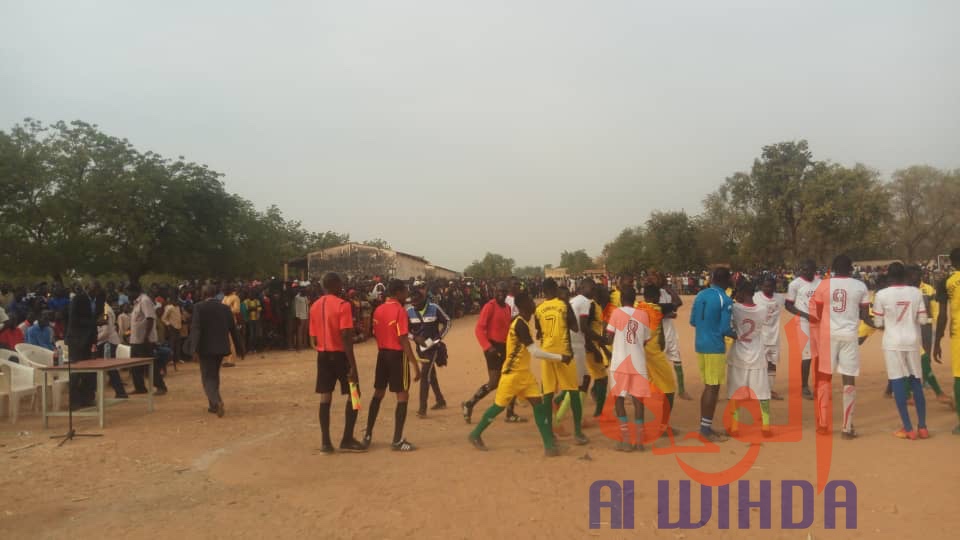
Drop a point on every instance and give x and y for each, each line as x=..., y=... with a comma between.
x=143, y=340
x=172, y=320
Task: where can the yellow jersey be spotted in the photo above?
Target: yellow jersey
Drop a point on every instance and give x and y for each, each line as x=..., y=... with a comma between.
x=615, y=297
x=949, y=293
x=864, y=330
x=596, y=319
x=551, y=320
x=518, y=338
x=655, y=315
x=930, y=294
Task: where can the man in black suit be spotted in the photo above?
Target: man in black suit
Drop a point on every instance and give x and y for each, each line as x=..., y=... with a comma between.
x=212, y=327
x=83, y=313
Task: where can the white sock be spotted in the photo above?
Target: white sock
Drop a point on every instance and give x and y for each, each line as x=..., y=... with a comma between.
x=849, y=403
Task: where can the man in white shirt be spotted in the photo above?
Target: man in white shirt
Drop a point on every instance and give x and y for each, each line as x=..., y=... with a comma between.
x=836, y=309
x=143, y=340
x=797, y=301
x=630, y=329
x=578, y=343
x=900, y=310
x=767, y=299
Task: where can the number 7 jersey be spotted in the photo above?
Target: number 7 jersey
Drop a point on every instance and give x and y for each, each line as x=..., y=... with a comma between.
x=747, y=351
x=901, y=307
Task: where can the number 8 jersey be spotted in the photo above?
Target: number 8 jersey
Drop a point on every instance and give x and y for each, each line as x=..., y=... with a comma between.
x=747, y=351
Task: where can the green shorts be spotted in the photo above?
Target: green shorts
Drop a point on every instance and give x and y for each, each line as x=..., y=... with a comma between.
x=713, y=368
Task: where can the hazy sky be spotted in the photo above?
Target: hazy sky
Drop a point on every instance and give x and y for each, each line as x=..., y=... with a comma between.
x=451, y=128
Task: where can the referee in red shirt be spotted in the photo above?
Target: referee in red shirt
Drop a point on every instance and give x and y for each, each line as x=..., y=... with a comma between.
x=331, y=334
x=491, y=331
x=395, y=358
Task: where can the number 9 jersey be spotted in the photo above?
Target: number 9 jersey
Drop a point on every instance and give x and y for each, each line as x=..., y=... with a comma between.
x=748, y=349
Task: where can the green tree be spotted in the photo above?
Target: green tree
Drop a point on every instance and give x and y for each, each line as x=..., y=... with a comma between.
x=324, y=240
x=672, y=241
x=925, y=209
x=844, y=207
x=576, y=261
x=492, y=266
x=627, y=253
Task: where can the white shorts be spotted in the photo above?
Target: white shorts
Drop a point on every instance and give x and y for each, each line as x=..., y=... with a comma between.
x=771, y=354
x=844, y=358
x=804, y=336
x=580, y=358
x=902, y=364
x=739, y=379
x=671, y=341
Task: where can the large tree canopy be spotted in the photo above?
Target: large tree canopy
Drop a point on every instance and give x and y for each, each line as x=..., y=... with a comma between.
x=78, y=200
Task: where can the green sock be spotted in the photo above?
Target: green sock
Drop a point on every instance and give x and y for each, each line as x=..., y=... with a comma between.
x=577, y=406
x=765, y=412
x=678, y=369
x=541, y=415
x=488, y=417
x=564, y=407
x=600, y=395
x=548, y=406
x=928, y=375
x=560, y=397
x=956, y=394
x=670, y=398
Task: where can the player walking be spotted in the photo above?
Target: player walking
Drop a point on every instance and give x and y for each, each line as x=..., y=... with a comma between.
x=948, y=295
x=554, y=331
x=766, y=299
x=747, y=372
x=629, y=330
x=837, y=306
x=797, y=301
x=517, y=380
x=711, y=318
x=491, y=331
x=900, y=310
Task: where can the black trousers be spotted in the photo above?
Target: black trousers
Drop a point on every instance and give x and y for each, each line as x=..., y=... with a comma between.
x=428, y=379
x=83, y=386
x=139, y=373
x=109, y=350
x=210, y=377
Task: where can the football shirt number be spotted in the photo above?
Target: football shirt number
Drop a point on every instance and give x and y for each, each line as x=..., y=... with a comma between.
x=750, y=326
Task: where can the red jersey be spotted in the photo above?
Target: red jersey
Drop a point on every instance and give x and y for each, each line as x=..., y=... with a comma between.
x=390, y=322
x=329, y=315
x=493, y=324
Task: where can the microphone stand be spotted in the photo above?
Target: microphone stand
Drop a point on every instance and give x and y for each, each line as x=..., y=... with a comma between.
x=71, y=433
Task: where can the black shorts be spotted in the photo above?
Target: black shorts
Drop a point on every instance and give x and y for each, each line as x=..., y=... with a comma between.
x=495, y=361
x=392, y=371
x=332, y=367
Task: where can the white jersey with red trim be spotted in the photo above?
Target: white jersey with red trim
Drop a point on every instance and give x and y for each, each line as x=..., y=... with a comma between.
x=900, y=307
x=839, y=299
x=747, y=351
x=771, y=321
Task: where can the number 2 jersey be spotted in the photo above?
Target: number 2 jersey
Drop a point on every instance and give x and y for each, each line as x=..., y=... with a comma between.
x=747, y=351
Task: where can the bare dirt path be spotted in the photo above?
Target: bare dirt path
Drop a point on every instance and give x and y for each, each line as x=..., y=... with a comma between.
x=183, y=473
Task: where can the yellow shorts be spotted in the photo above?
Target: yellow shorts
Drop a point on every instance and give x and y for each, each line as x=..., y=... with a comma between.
x=713, y=368
x=521, y=384
x=660, y=371
x=595, y=366
x=955, y=355
x=558, y=376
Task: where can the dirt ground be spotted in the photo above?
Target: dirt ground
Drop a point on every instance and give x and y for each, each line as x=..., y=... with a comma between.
x=183, y=473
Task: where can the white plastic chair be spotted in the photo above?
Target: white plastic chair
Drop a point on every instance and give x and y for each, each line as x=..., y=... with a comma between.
x=16, y=382
x=123, y=351
x=7, y=354
x=37, y=357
